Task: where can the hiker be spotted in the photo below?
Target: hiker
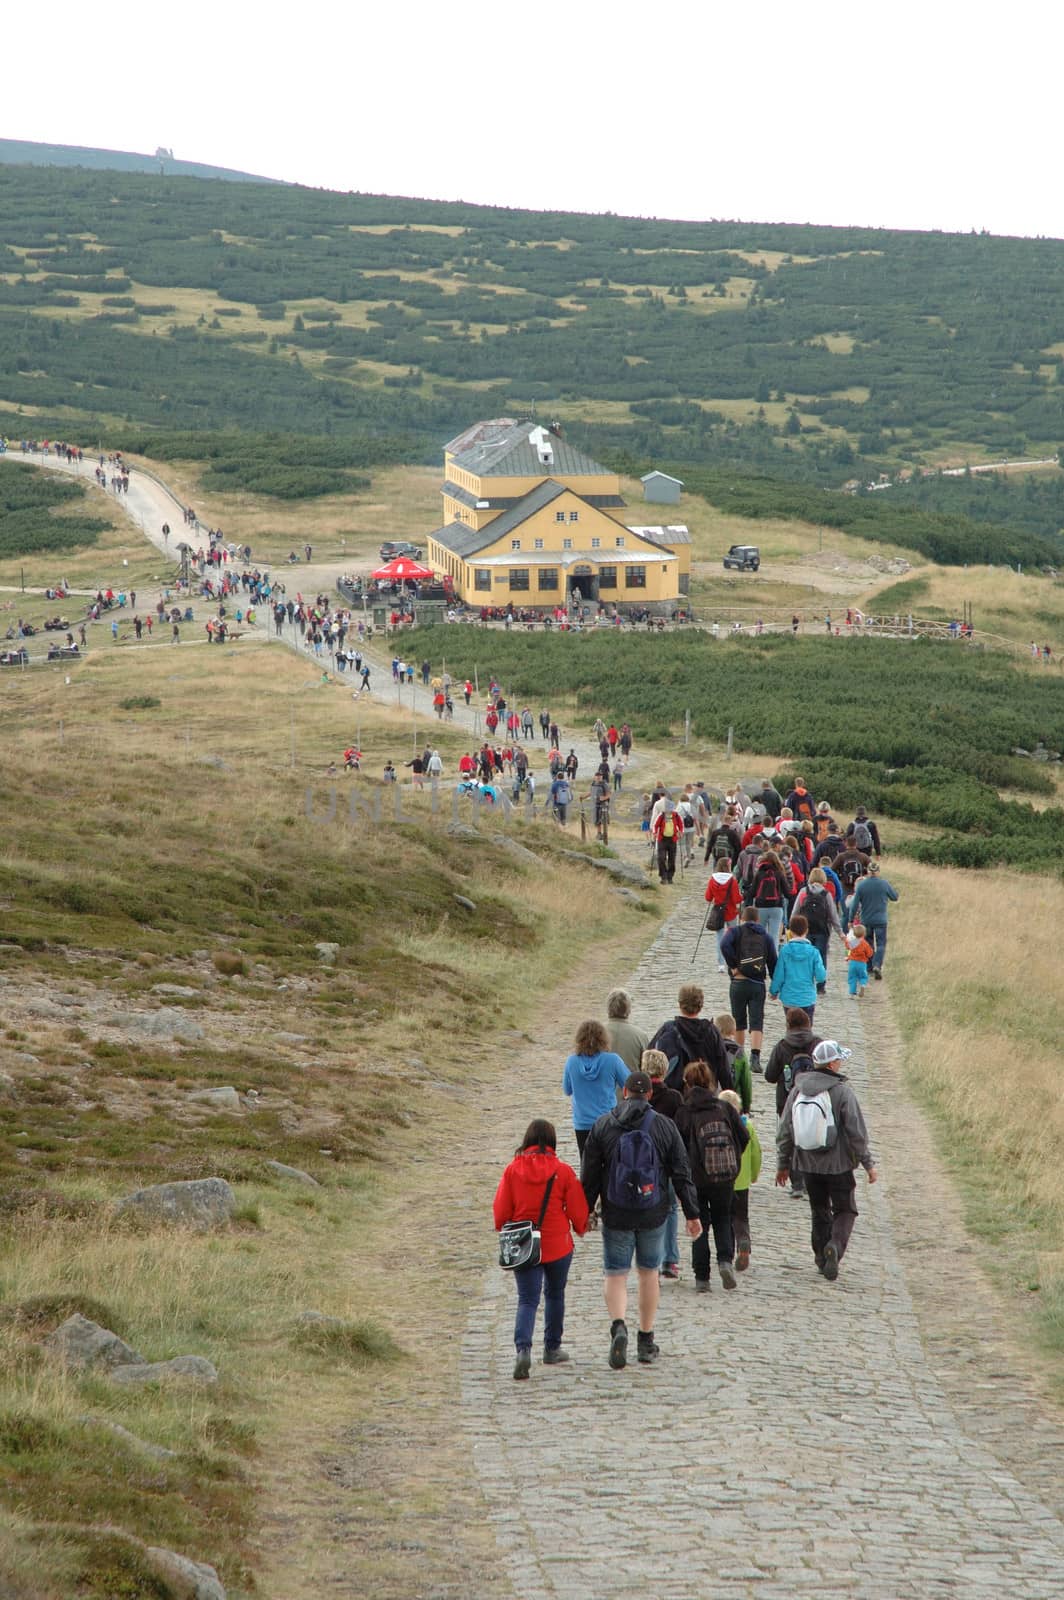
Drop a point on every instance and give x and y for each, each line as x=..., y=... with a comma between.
x=801, y=803
x=724, y=1023
x=666, y=831
x=799, y=969
x=771, y=799
x=749, y=1172
x=817, y=905
x=859, y=954
x=771, y=886
x=666, y=1102
x=750, y=956
x=869, y=906
x=715, y=1138
x=625, y=1040
x=863, y=834
x=537, y=1185
x=561, y=797
x=791, y=1055
x=822, y=1134
x=691, y=1037
x=722, y=894
x=592, y=1076
x=630, y=1157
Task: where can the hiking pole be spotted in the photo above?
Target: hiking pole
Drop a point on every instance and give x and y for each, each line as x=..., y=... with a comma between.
x=698, y=941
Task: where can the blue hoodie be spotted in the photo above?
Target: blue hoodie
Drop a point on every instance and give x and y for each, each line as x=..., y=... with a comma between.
x=593, y=1082
x=799, y=969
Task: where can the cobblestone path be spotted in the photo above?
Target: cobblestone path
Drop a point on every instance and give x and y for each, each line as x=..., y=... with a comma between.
x=794, y=1436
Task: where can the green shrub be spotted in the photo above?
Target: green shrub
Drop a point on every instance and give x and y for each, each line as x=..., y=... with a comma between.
x=140, y=702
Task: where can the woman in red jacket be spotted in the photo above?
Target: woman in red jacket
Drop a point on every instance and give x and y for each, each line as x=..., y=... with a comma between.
x=519, y=1198
x=722, y=890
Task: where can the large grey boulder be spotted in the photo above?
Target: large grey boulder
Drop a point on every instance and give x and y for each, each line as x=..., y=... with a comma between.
x=82, y=1344
x=195, y=1369
x=158, y=1452
x=186, y=1579
x=519, y=851
x=177, y=991
x=327, y=952
x=197, y=1202
x=623, y=871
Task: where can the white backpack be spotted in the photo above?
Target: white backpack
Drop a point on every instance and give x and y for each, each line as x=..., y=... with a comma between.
x=814, y=1121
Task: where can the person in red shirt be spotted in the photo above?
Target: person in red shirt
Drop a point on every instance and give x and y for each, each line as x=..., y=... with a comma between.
x=519, y=1198
x=467, y=766
x=723, y=891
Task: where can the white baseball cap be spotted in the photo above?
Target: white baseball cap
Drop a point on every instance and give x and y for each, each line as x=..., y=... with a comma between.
x=828, y=1051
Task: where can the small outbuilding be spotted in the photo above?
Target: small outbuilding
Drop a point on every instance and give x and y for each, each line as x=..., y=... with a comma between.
x=658, y=486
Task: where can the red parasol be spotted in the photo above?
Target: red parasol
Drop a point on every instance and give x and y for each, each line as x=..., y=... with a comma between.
x=402, y=568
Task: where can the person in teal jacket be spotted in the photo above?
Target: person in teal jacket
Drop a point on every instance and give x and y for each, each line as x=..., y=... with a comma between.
x=799, y=968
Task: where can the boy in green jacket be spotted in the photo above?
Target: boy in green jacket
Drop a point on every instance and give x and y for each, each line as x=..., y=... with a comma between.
x=749, y=1172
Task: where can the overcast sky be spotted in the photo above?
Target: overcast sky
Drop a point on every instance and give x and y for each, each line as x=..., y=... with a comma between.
x=908, y=115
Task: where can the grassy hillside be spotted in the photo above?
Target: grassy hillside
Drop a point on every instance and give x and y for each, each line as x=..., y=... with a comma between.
x=183, y=856
x=816, y=353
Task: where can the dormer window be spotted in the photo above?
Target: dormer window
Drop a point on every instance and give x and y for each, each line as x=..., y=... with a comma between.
x=515, y=544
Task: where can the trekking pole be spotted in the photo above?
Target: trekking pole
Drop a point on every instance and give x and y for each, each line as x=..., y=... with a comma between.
x=698, y=941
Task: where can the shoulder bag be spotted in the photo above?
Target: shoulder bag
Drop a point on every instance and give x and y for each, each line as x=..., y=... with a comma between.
x=519, y=1242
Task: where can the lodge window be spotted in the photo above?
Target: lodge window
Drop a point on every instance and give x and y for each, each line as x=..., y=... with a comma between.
x=548, y=577
x=620, y=542
x=518, y=577
x=635, y=577
x=537, y=544
x=574, y=516
x=607, y=577
x=595, y=543
x=515, y=544
x=567, y=544
x=482, y=579
x=559, y=516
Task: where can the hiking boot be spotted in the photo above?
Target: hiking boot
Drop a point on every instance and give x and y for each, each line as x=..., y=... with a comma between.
x=702, y=1286
x=618, y=1346
x=821, y=988
x=727, y=1275
x=742, y=1259
x=830, y=1268
x=648, y=1350
x=523, y=1364
x=755, y=1061
x=555, y=1356
x=877, y=974
x=671, y=1269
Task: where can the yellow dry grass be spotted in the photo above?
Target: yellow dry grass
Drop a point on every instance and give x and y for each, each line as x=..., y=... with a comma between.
x=983, y=1014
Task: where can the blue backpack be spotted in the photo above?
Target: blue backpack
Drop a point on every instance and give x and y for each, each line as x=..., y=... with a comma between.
x=635, y=1182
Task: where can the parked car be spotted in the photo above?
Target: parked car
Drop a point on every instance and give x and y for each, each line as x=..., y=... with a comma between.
x=391, y=548
x=743, y=557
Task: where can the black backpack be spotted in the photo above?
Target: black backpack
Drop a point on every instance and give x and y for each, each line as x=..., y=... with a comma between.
x=714, y=1158
x=767, y=891
x=722, y=845
x=849, y=872
x=795, y=1067
x=816, y=911
x=753, y=952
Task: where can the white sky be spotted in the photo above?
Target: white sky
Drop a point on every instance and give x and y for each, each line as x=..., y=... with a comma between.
x=910, y=115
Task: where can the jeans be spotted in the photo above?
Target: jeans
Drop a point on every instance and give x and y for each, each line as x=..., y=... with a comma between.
x=833, y=1204
x=877, y=938
x=819, y=941
x=672, y=1228
x=740, y=1216
x=714, y=1211
x=619, y=1245
x=771, y=919
x=549, y=1278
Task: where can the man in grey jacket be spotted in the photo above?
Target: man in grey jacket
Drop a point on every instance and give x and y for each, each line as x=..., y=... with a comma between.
x=827, y=1166
x=869, y=905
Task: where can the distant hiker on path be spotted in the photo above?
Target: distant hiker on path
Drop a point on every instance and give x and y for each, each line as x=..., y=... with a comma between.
x=822, y=1134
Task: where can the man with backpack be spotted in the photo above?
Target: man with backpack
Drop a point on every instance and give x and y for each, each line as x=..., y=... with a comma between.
x=691, y=1037
x=723, y=840
x=801, y=803
x=667, y=830
x=749, y=953
x=631, y=1156
x=561, y=797
x=863, y=834
x=791, y=1056
x=822, y=1134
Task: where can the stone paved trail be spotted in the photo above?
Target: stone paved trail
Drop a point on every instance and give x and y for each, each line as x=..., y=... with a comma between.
x=794, y=1436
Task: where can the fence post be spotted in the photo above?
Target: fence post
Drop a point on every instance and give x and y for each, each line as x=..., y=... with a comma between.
x=728, y=749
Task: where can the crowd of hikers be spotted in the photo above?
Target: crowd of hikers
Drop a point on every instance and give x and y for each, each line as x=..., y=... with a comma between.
x=663, y=1124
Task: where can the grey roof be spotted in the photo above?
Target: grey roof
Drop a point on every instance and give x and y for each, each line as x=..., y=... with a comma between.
x=463, y=541
x=501, y=449
x=454, y=491
x=674, y=533
x=656, y=474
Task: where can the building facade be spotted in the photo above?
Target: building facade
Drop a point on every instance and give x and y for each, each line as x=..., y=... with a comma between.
x=530, y=519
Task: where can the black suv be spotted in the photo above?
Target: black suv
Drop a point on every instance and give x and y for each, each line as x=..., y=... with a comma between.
x=401, y=547
x=743, y=557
